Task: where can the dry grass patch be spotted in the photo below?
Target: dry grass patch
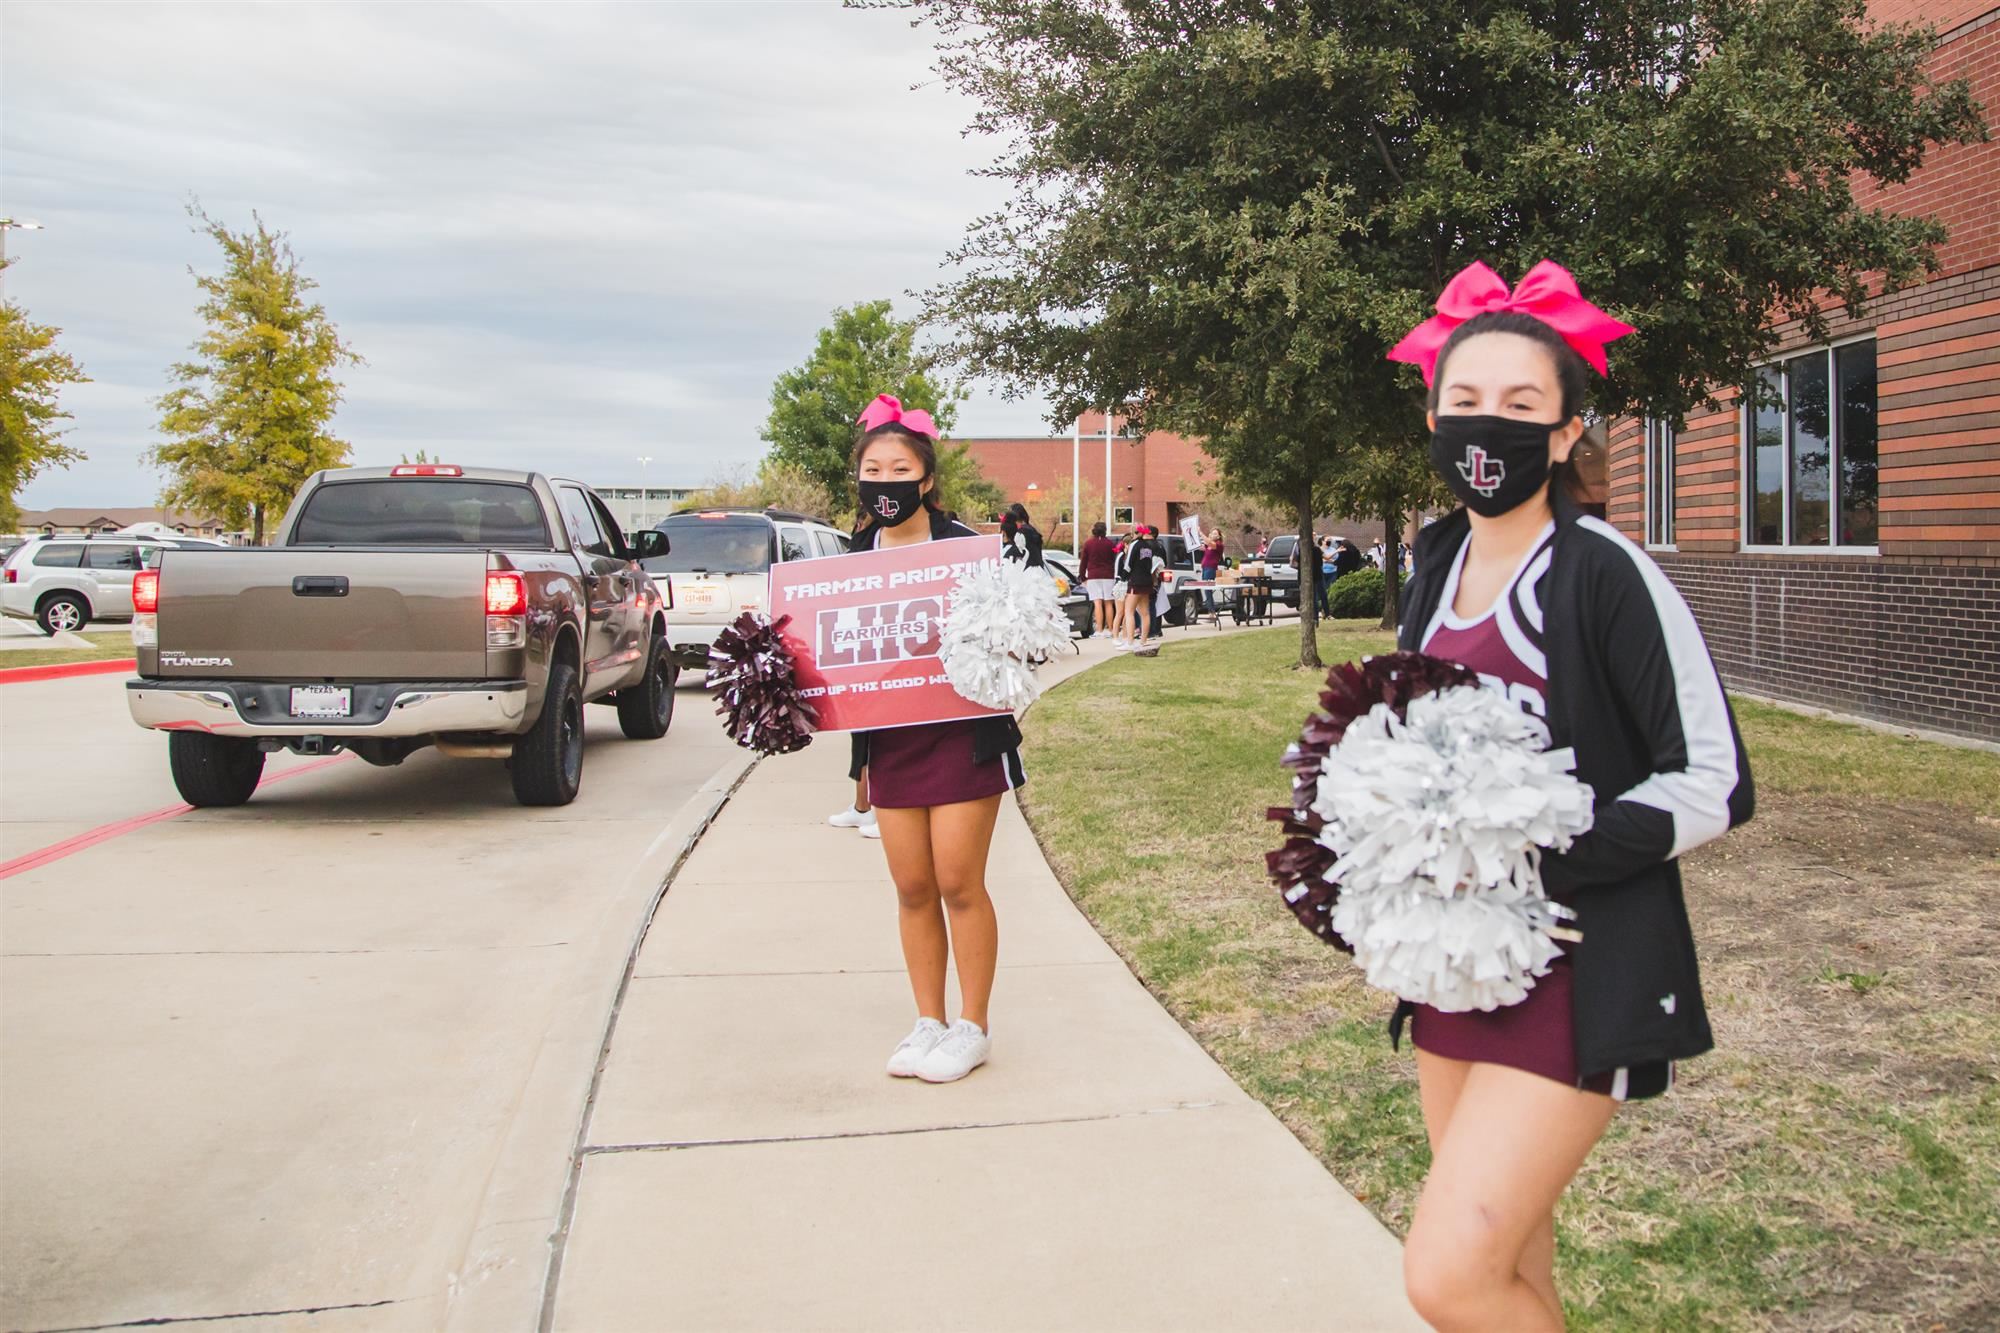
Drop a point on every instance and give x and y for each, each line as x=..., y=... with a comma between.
x=107, y=646
x=1832, y=1165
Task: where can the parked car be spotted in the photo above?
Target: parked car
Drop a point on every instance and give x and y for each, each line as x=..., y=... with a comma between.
x=1282, y=567
x=473, y=609
x=64, y=583
x=720, y=566
x=1075, y=601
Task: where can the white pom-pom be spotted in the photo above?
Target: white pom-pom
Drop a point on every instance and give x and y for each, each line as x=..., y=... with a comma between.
x=1438, y=819
x=1004, y=617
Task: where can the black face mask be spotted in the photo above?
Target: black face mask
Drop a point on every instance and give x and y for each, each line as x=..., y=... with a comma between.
x=1492, y=464
x=892, y=503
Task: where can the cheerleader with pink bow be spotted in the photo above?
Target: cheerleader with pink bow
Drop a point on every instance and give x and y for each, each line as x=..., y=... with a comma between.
x=935, y=788
x=1560, y=612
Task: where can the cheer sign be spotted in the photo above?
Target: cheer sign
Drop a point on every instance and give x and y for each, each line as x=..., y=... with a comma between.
x=864, y=632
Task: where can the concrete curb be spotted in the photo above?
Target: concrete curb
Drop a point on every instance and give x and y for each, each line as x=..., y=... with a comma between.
x=64, y=670
x=513, y=1245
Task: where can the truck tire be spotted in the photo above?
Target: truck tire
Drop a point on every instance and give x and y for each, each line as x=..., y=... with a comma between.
x=547, y=766
x=64, y=611
x=214, y=770
x=646, y=710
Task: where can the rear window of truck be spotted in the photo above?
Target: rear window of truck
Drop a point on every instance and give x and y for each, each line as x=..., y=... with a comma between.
x=422, y=511
x=714, y=546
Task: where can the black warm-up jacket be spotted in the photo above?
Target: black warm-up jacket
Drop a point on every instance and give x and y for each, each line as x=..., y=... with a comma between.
x=1632, y=690
x=992, y=737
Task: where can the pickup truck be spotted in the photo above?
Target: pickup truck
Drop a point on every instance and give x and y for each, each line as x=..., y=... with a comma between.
x=473, y=609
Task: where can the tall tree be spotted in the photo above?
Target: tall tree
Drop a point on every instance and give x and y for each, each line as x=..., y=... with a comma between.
x=32, y=374
x=249, y=421
x=1225, y=213
x=865, y=351
x=1387, y=482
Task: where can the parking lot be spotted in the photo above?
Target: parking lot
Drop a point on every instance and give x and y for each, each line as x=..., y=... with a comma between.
x=276, y=1058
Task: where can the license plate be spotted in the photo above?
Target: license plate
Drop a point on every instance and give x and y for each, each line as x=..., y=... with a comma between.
x=697, y=594
x=322, y=701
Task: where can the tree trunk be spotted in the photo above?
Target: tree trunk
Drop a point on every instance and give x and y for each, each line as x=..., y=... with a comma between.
x=1392, y=568
x=256, y=525
x=1307, y=557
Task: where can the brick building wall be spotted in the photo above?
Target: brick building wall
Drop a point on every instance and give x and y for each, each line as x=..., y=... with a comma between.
x=1159, y=476
x=1909, y=633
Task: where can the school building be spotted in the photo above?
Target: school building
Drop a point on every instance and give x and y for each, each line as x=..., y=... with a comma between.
x=1842, y=548
x=1154, y=478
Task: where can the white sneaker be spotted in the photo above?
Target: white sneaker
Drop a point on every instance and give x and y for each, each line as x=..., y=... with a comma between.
x=872, y=830
x=852, y=818
x=923, y=1039
x=1119, y=645
x=963, y=1049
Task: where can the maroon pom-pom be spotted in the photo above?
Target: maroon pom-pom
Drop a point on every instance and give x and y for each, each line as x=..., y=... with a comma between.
x=757, y=690
x=1299, y=868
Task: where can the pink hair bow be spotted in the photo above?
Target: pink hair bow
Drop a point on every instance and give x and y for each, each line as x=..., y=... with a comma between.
x=1548, y=293
x=885, y=410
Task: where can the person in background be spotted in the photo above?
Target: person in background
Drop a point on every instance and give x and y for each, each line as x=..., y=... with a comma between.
x=1589, y=477
x=1346, y=559
x=1099, y=557
x=1375, y=554
x=1211, y=564
x=1022, y=539
x=1326, y=554
x=1142, y=570
x=1121, y=585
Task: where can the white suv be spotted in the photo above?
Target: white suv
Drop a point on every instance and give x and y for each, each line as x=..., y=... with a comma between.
x=718, y=565
x=64, y=583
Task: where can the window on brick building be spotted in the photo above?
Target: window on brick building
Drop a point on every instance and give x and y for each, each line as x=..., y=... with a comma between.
x=1122, y=514
x=1660, y=438
x=1809, y=450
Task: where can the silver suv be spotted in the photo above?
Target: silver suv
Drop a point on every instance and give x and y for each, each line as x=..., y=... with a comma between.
x=719, y=566
x=64, y=583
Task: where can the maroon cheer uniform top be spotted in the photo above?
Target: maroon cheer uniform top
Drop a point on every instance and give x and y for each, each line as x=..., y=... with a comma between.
x=1505, y=647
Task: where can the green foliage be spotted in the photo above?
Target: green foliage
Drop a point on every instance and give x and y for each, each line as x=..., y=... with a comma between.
x=248, y=423
x=962, y=485
x=32, y=373
x=865, y=351
x=774, y=486
x=1356, y=595
x=1225, y=214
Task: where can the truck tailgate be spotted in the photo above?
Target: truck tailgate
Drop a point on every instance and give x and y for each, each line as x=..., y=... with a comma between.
x=327, y=613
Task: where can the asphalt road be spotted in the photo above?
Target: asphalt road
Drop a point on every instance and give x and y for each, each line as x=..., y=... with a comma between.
x=268, y=1061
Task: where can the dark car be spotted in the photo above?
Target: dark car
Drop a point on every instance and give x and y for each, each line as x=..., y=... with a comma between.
x=1076, y=603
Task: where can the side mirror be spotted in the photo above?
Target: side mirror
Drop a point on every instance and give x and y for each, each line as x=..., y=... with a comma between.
x=650, y=544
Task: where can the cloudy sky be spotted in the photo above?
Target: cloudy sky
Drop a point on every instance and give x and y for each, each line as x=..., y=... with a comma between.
x=563, y=235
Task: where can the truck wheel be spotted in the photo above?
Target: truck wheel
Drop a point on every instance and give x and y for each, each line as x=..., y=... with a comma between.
x=646, y=710
x=548, y=762
x=63, y=612
x=214, y=770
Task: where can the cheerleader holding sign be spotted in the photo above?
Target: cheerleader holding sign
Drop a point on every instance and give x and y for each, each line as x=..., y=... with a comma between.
x=936, y=787
x=1577, y=624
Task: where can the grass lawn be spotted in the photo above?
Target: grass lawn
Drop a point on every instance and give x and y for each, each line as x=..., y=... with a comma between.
x=109, y=645
x=1831, y=1165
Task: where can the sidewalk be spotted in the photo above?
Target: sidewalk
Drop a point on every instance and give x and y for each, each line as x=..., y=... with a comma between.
x=748, y=1165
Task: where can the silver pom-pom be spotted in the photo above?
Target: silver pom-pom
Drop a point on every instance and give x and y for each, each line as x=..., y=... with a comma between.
x=1438, y=819
x=1004, y=618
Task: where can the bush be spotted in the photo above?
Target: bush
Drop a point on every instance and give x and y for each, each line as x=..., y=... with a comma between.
x=1356, y=596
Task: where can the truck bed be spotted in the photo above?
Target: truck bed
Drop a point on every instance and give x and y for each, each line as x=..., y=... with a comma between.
x=324, y=613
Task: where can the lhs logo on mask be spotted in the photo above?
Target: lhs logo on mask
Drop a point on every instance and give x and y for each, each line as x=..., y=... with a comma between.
x=1482, y=471
x=886, y=507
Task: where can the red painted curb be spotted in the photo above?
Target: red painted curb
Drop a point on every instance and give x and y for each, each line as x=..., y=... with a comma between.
x=56, y=851
x=64, y=670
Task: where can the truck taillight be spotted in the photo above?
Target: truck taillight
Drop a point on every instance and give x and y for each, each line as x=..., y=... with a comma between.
x=506, y=594
x=13, y=576
x=427, y=470
x=145, y=590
